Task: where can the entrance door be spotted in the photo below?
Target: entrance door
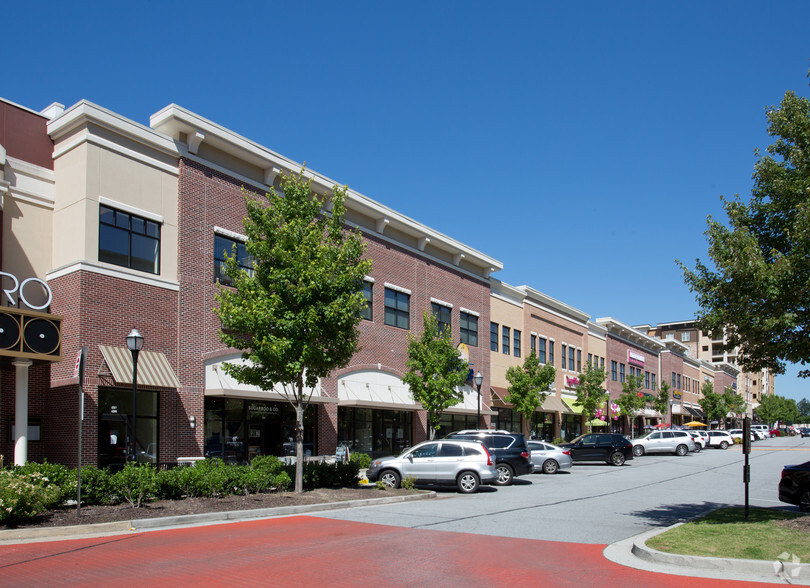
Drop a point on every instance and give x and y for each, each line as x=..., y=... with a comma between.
x=113, y=441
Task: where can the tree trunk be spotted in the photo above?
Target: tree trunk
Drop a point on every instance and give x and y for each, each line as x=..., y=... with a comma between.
x=299, y=438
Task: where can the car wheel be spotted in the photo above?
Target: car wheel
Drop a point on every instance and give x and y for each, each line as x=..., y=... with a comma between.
x=550, y=466
x=681, y=450
x=698, y=447
x=804, y=501
x=723, y=444
x=638, y=450
x=390, y=478
x=617, y=458
x=467, y=483
x=504, y=475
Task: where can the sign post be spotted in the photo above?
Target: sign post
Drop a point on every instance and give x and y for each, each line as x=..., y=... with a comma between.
x=78, y=372
x=746, y=443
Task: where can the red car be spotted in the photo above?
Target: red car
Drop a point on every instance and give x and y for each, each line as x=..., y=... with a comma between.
x=776, y=433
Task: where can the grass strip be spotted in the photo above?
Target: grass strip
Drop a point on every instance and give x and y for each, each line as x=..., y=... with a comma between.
x=726, y=533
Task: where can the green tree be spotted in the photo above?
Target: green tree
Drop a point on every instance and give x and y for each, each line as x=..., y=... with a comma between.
x=591, y=393
x=661, y=400
x=435, y=371
x=734, y=402
x=759, y=295
x=774, y=408
x=803, y=407
x=295, y=315
x=632, y=399
x=713, y=404
x=528, y=385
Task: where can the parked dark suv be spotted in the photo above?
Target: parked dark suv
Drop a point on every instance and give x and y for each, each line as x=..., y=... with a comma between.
x=794, y=486
x=612, y=448
x=512, y=457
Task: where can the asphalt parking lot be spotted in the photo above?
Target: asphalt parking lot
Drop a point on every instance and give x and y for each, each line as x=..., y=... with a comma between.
x=596, y=503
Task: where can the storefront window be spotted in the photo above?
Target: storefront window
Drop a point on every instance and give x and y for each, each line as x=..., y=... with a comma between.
x=508, y=420
x=543, y=426
x=114, y=410
x=571, y=426
x=455, y=422
x=377, y=433
x=238, y=430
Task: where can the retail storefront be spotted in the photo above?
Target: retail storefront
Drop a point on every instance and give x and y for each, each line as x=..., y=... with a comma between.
x=571, y=422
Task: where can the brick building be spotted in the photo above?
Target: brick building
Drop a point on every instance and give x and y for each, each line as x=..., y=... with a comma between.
x=131, y=233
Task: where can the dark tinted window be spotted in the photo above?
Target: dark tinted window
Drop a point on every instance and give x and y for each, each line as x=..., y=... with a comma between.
x=668, y=435
x=471, y=450
x=451, y=450
x=500, y=441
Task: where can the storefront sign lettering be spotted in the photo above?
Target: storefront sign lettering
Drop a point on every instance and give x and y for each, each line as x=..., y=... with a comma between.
x=20, y=287
x=635, y=358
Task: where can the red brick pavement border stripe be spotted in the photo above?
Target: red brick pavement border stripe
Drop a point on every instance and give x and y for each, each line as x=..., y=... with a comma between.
x=311, y=551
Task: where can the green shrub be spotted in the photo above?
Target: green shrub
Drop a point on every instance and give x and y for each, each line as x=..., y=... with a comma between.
x=363, y=460
x=170, y=485
x=327, y=475
x=408, y=482
x=136, y=483
x=24, y=495
x=53, y=475
x=97, y=486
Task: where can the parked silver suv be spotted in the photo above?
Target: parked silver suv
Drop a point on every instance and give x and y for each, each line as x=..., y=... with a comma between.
x=445, y=462
x=675, y=442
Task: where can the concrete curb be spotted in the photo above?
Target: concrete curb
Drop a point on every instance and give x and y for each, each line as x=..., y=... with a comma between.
x=635, y=553
x=11, y=536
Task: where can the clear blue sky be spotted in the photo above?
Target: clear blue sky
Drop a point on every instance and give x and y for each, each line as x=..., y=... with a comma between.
x=581, y=144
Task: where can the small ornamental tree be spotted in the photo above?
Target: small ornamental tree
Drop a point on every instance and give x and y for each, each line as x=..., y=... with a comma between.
x=713, y=404
x=734, y=402
x=435, y=371
x=528, y=385
x=295, y=315
x=661, y=400
x=632, y=398
x=591, y=394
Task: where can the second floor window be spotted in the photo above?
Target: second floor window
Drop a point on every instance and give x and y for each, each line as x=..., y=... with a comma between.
x=468, y=327
x=397, y=309
x=128, y=240
x=505, y=340
x=223, y=246
x=368, y=293
x=621, y=373
x=613, y=367
x=541, y=350
x=516, y=344
x=442, y=314
x=493, y=336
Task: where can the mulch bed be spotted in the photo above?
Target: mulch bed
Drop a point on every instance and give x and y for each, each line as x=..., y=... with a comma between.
x=89, y=515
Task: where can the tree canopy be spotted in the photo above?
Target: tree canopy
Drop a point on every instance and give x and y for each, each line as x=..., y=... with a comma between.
x=435, y=371
x=759, y=295
x=295, y=314
x=774, y=408
x=591, y=393
x=661, y=400
x=528, y=385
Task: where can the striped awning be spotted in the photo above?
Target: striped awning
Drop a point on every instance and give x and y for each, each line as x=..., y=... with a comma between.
x=153, y=368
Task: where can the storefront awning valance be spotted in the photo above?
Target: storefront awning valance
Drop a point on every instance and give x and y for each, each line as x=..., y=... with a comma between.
x=269, y=396
x=554, y=404
x=572, y=404
x=695, y=412
x=498, y=395
x=153, y=368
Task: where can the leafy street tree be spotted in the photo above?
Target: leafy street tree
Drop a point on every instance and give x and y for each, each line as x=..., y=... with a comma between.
x=591, y=394
x=632, y=399
x=734, y=402
x=295, y=315
x=660, y=401
x=528, y=385
x=760, y=292
x=774, y=408
x=435, y=371
x=804, y=407
x=713, y=404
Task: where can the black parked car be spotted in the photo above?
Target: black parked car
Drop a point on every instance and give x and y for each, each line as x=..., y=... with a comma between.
x=512, y=457
x=612, y=448
x=794, y=487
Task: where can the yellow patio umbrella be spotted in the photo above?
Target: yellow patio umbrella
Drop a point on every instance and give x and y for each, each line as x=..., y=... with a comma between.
x=695, y=424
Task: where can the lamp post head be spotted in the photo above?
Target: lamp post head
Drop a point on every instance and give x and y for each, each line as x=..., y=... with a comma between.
x=478, y=379
x=134, y=340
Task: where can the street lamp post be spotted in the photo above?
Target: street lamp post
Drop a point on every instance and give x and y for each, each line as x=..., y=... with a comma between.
x=671, y=403
x=479, y=379
x=134, y=343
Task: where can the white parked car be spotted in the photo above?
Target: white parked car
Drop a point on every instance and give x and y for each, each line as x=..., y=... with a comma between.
x=675, y=442
x=720, y=439
x=738, y=434
x=763, y=429
x=700, y=442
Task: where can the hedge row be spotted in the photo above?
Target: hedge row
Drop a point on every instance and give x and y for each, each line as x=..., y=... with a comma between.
x=29, y=490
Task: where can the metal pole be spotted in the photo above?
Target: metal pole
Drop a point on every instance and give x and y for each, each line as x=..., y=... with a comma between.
x=133, y=455
x=478, y=407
